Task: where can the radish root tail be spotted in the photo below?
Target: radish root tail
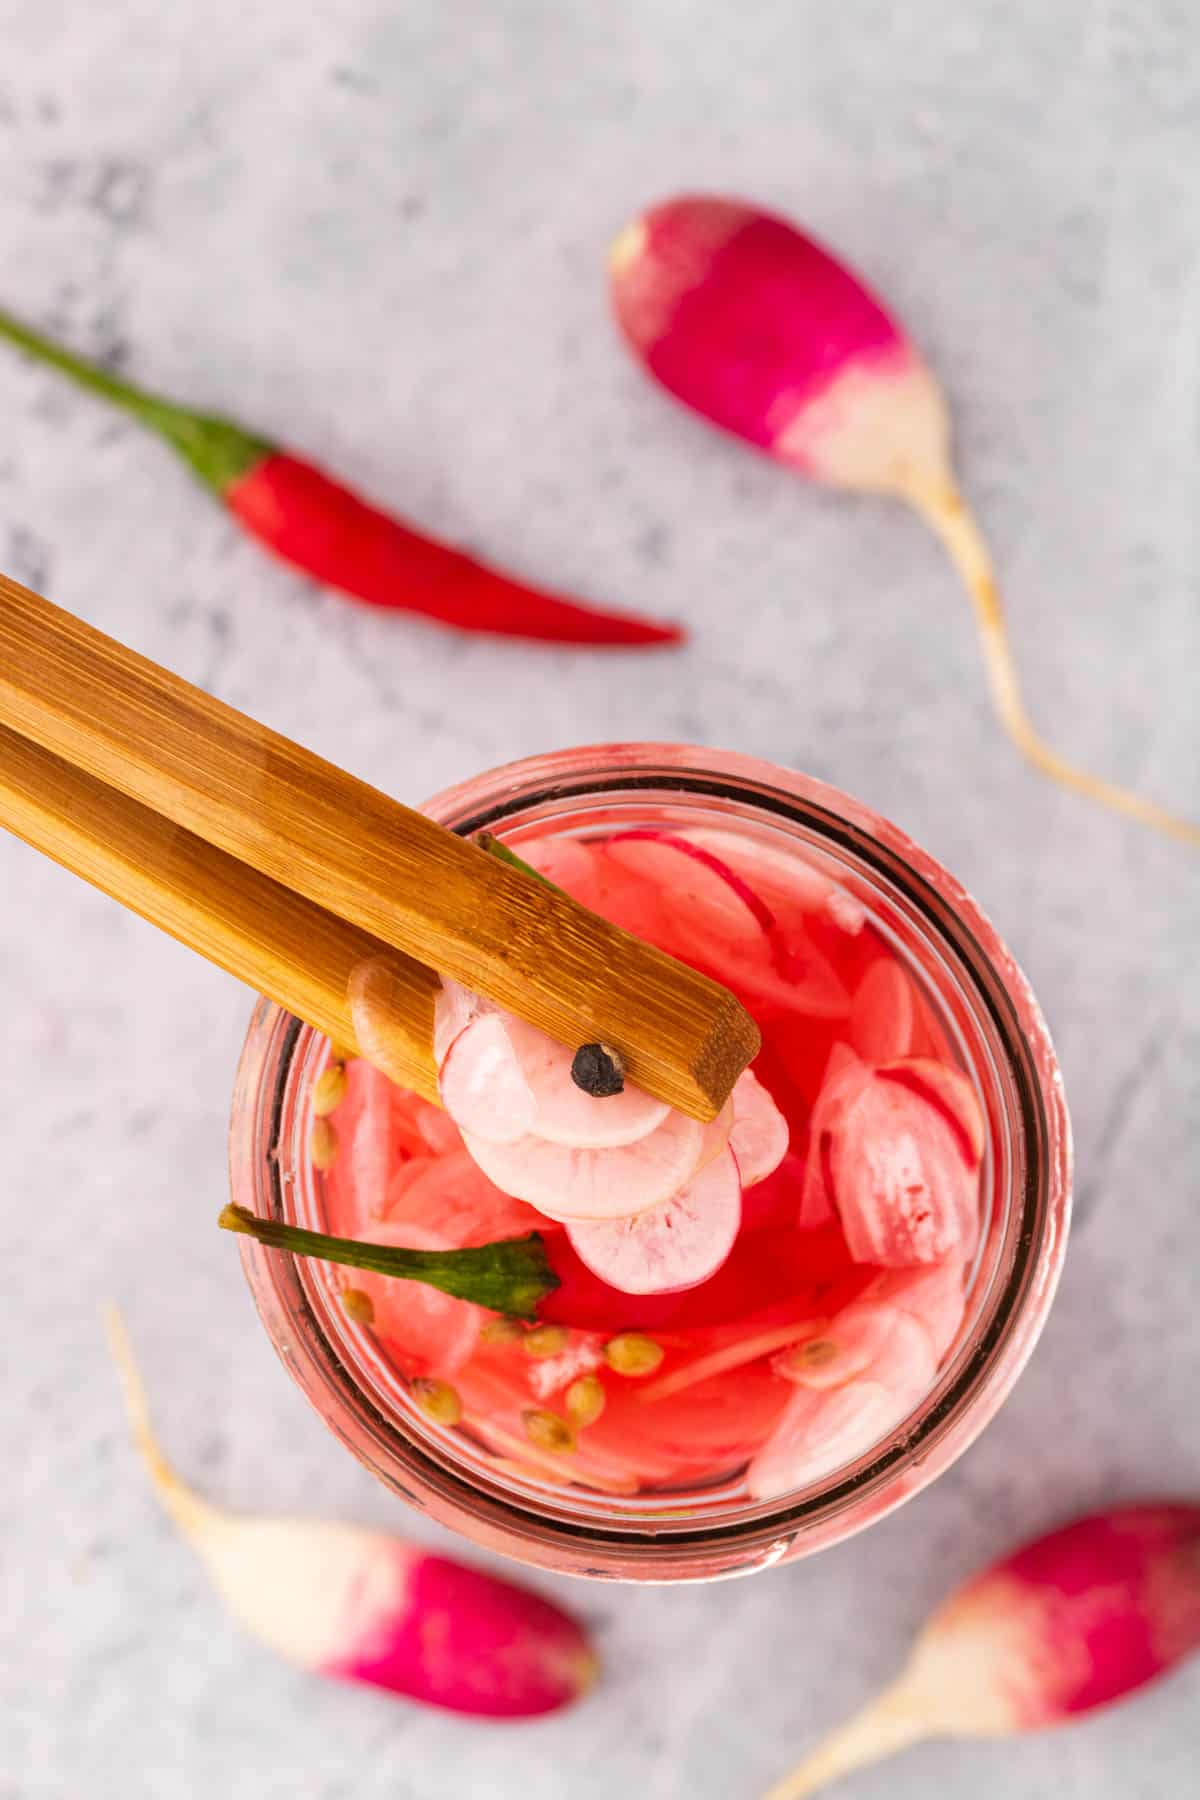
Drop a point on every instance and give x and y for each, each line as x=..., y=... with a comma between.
x=189, y=1511
x=948, y=516
x=888, y=1725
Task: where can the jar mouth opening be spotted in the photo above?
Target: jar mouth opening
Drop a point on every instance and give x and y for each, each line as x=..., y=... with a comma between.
x=550, y=1525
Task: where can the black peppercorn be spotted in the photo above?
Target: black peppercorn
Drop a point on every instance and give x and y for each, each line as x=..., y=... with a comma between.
x=598, y=1070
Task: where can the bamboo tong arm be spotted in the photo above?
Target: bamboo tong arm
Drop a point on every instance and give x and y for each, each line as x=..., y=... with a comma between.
x=267, y=936
x=347, y=849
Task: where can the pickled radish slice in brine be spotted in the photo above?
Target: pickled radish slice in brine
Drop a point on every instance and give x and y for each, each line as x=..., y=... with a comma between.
x=563, y=1112
x=595, y=1184
x=482, y=1085
x=821, y=1432
x=857, y=1380
x=899, y=1180
x=883, y=1013
x=711, y=1428
x=949, y=1089
x=405, y=1176
x=501, y=1079
x=865, y=1333
x=779, y=877
x=374, y=1137
x=759, y=1136
x=726, y=924
x=707, y=896
x=845, y=1077
x=454, y=1009
x=437, y=1128
x=677, y=1244
x=935, y=1296
x=454, y=1196
x=590, y=875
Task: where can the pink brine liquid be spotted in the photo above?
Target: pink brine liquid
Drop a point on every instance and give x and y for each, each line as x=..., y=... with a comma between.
x=788, y=1302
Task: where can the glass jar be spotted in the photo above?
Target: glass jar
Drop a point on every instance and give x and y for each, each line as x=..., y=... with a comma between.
x=1025, y=1189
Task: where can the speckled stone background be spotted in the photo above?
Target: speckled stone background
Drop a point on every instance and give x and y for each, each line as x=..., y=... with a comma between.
x=376, y=231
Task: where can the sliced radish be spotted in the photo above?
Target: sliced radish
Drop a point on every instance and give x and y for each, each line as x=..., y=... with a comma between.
x=865, y=1338
x=747, y=1342
x=455, y=1198
x=366, y=1123
x=563, y=1112
x=845, y=1077
x=635, y=903
x=759, y=1137
x=482, y=1084
x=706, y=893
x=595, y=1184
x=590, y=876
x=403, y=1177
x=934, y=1296
x=847, y=913
x=677, y=1244
x=437, y=1128
x=712, y=1427
x=807, y=985
x=780, y=877
x=899, y=1180
x=816, y=1201
x=861, y=1376
x=455, y=1008
x=821, y=1432
x=948, y=1089
x=727, y=926
x=883, y=1013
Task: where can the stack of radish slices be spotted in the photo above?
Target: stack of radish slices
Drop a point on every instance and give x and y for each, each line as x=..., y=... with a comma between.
x=650, y=1199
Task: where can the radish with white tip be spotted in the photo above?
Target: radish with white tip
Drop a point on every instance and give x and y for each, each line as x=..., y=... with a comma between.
x=1062, y=1626
x=363, y=1606
x=760, y=329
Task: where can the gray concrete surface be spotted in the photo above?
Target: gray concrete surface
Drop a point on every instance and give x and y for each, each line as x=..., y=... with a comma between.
x=376, y=232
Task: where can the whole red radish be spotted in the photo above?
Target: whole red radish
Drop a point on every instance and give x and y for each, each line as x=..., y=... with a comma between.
x=363, y=1606
x=1067, y=1623
x=752, y=323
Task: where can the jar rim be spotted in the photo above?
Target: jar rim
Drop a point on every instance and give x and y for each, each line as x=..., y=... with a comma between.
x=964, y=1397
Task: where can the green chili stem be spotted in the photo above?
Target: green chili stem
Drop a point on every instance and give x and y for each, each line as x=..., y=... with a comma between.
x=509, y=1276
x=219, y=452
x=503, y=854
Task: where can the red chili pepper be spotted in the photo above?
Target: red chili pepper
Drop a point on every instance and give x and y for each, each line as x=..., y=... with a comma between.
x=311, y=521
